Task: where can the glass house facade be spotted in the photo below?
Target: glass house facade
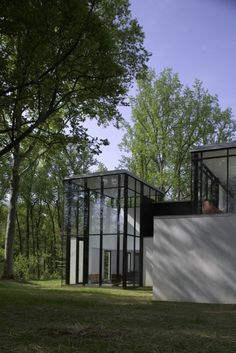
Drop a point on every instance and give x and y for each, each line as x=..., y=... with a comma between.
x=104, y=226
x=214, y=177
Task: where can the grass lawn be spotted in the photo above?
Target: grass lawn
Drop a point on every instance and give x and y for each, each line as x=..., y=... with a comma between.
x=45, y=317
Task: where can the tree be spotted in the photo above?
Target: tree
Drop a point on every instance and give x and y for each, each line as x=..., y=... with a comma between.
x=61, y=62
x=81, y=150
x=38, y=241
x=79, y=55
x=168, y=120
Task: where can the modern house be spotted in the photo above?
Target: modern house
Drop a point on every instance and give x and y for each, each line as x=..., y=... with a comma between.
x=106, y=220
x=119, y=231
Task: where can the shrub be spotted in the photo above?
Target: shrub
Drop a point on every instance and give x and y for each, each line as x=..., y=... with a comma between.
x=24, y=268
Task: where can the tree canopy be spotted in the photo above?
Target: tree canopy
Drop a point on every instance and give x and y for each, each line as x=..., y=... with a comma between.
x=168, y=119
x=61, y=62
x=77, y=55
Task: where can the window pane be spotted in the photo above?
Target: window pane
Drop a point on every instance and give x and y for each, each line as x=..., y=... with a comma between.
x=130, y=260
x=137, y=230
x=109, y=216
x=138, y=186
x=79, y=182
x=218, y=167
x=110, y=259
x=131, y=183
x=94, y=213
x=94, y=257
x=232, y=184
x=214, y=184
x=152, y=194
x=146, y=190
x=232, y=151
x=130, y=215
x=77, y=214
x=214, y=153
x=94, y=183
x=110, y=181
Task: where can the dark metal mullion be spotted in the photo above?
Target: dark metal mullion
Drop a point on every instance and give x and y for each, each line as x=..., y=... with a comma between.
x=68, y=232
x=134, y=231
x=195, y=182
x=206, y=186
x=141, y=238
x=118, y=230
x=86, y=233
x=227, y=183
x=212, y=183
x=201, y=169
x=101, y=231
x=125, y=230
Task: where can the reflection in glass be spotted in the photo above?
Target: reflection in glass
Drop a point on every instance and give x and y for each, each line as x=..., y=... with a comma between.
x=94, y=183
x=131, y=183
x=102, y=224
x=94, y=212
x=214, y=153
x=232, y=151
x=214, y=180
x=110, y=181
x=94, y=259
x=232, y=184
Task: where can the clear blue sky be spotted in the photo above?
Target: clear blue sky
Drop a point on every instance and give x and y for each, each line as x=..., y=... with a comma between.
x=197, y=38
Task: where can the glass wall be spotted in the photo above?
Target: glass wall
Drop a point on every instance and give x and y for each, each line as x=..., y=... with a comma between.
x=214, y=181
x=102, y=228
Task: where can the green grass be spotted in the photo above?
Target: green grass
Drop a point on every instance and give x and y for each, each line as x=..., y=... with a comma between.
x=45, y=317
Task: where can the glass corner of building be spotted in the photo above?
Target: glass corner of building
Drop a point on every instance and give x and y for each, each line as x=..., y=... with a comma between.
x=214, y=181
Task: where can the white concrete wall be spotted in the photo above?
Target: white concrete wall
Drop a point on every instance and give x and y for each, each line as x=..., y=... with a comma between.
x=73, y=260
x=194, y=258
x=147, y=261
x=81, y=261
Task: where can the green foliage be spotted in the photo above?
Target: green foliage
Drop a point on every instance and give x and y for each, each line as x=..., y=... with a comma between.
x=40, y=207
x=71, y=57
x=24, y=268
x=60, y=63
x=168, y=120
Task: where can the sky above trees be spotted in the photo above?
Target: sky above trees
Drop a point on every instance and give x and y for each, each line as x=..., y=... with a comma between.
x=194, y=37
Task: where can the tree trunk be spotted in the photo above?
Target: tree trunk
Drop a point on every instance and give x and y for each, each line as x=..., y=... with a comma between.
x=11, y=220
x=36, y=232
x=53, y=241
x=27, y=231
x=20, y=235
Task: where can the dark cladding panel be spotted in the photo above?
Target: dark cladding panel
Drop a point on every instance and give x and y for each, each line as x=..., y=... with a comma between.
x=174, y=208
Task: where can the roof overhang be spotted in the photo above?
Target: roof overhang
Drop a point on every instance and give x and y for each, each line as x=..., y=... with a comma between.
x=213, y=147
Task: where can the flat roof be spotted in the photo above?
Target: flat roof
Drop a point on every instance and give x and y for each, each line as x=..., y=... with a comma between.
x=211, y=147
x=112, y=172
